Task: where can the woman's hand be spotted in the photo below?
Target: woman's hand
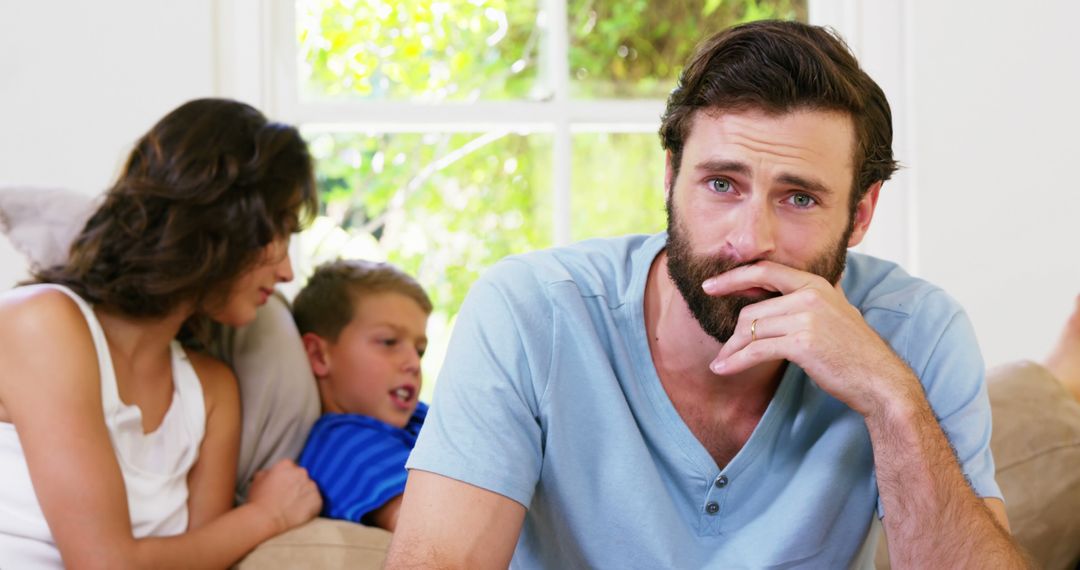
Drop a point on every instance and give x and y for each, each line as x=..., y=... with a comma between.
x=286, y=493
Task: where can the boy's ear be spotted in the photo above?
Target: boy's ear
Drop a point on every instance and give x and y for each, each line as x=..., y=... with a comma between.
x=316, y=349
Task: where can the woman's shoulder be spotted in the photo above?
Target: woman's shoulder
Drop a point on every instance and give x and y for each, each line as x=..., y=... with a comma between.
x=46, y=347
x=39, y=309
x=215, y=377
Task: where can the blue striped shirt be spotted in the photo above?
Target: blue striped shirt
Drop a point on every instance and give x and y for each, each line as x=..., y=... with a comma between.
x=358, y=462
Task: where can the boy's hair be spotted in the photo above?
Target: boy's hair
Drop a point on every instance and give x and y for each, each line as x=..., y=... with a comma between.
x=327, y=303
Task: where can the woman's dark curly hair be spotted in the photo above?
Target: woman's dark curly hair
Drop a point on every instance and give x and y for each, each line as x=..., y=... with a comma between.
x=202, y=194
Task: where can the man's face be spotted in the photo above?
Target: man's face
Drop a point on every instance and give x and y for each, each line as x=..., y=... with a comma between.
x=754, y=187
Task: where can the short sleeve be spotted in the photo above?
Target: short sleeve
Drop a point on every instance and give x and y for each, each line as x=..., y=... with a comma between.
x=357, y=463
x=484, y=425
x=942, y=349
x=954, y=377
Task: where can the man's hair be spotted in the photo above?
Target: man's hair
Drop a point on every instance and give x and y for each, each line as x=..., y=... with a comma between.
x=202, y=193
x=328, y=301
x=779, y=67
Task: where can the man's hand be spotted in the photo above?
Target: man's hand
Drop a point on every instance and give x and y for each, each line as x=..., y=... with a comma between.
x=813, y=325
x=932, y=517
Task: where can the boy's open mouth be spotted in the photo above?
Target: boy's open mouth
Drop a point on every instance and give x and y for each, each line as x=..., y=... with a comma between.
x=403, y=396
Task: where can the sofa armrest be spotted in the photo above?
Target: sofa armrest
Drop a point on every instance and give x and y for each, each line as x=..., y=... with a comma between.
x=321, y=543
x=1036, y=444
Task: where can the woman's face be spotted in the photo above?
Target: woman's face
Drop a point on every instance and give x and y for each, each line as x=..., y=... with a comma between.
x=253, y=287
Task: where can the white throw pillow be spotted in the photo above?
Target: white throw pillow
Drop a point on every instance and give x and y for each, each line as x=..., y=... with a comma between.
x=41, y=222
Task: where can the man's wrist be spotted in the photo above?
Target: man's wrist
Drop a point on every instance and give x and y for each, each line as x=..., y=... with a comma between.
x=897, y=398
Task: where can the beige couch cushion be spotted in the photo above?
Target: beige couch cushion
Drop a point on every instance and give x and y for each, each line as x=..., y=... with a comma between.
x=321, y=543
x=1036, y=445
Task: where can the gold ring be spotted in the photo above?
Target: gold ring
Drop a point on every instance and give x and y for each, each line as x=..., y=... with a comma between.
x=753, y=330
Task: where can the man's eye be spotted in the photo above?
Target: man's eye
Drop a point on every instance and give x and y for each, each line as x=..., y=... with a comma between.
x=720, y=185
x=389, y=341
x=802, y=200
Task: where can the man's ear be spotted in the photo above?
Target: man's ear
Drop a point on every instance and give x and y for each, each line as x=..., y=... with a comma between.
x=316, y=349
x=669, y=174
x=864, y=212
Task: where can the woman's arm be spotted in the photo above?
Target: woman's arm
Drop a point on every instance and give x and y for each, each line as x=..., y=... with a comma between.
x=213, y=477
x=50, y=389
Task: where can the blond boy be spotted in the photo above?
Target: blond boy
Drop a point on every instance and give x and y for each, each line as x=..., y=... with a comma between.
x=363, y=326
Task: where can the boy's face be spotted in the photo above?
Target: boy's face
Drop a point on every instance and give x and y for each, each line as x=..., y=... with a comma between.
x=373, y=368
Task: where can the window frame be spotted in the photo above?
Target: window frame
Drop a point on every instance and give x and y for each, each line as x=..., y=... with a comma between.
x=257, y=63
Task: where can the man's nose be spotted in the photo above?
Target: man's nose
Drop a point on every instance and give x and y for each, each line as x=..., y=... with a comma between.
x=754, y=234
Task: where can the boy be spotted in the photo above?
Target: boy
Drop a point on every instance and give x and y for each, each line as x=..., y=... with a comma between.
x=363, y=326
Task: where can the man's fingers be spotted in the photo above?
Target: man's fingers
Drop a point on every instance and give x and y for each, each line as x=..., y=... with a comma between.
x=759, y=329
x=784, y=305
x=767, y=275
x=746, y=331
x=757, y=352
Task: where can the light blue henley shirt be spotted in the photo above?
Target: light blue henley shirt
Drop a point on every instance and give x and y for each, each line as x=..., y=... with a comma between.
x=549, y=396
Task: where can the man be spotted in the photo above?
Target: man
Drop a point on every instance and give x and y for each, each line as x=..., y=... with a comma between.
x=726, y=395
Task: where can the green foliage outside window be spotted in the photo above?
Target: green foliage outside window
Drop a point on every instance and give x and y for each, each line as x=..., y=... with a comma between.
x=441, y=206
x=636, y=48
x=451, y=50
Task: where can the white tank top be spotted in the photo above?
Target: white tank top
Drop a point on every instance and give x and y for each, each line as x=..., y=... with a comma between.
x=155, y=465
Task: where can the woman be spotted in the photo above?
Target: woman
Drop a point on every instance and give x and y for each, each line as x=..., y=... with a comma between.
x=118, y=445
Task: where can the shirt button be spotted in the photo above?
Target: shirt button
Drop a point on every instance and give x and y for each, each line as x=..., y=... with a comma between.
x=721, y=481
x=712, y=508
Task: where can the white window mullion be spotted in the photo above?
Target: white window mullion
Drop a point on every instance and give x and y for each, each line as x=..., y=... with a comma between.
x=483, y=115
x=882, y=52
x=249, y=48
x=557, y=63
x=282, y=75
x=840, y=15
x=877, y=34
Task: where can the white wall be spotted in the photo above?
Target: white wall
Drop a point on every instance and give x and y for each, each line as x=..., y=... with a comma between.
x=81, y=81
x=995, y=109
x=991, y=96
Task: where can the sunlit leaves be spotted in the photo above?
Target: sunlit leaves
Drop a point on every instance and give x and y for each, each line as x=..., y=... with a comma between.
x=618, y=181
x=452, y=50
x=442, y=206
x=635, y=48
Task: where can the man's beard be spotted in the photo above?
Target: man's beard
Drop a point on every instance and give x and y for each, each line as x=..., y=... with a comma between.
x=718, y=315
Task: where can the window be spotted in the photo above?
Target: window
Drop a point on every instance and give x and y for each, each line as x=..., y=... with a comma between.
x=451, y=133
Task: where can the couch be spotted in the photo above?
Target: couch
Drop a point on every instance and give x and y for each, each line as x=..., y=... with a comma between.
x=1036, y=439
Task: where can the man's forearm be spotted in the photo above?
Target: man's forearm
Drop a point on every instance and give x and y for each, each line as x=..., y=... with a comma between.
x=932, y=517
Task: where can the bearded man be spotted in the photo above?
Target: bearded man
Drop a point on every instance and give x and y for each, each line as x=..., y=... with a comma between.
x=739, y=392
